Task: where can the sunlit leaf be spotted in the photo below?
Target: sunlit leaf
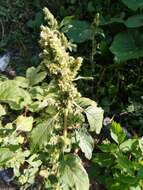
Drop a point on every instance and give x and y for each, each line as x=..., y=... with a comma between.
x=95, y=118
x=117, y=133
x=12, y=94
x=86, y=142
x=73, y=175
x=5, y=155
x=2, y=110
x=24, y=123
x=34, y=76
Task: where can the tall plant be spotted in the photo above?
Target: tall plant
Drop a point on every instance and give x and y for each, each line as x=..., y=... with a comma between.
x=47, y=139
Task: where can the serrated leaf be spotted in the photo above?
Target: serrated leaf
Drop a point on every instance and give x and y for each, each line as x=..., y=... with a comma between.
x=34, y=76
x=127, y=145
x=127, y=45
x=125, y=164
x=130, y=180
x=133, y=4
x=134, y=21
x=73, y=175
x=95, y=118
x=86, y=142
x=117, y=133
x=2, y=110
x=24, y=123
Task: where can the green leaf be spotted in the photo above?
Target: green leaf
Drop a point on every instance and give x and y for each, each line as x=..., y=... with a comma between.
x=41, y=134
x=73, y=175
x=130, y=180
x=127, y=45
x=141, y=144
x=104, y=159
x=86, y=142
x=77, y=31
x=134, y=21
x=34, y=77
x=2, y=110
x=95, y=118
x=110, y=147
x=24, y=123
x=117, y=133
x=125, y=164
x=136, y=188
x=22, y=82
x=133, y=4
x=12, y=94
x=85, y=102
x=127, y=145
x=5, y=155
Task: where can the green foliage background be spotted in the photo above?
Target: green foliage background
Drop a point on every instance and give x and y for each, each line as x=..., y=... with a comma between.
x=108, y=35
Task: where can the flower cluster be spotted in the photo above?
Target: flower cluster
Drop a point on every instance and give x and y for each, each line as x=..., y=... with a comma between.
x=56, y=58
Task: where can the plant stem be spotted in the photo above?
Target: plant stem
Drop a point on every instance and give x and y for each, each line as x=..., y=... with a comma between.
x=95, y=25
x=65, y=122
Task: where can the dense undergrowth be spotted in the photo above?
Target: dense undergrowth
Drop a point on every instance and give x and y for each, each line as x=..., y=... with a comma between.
x=44, y=134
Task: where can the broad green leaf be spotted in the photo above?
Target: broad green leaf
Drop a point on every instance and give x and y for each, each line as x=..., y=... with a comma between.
x=85, y=102
x=5, y=155
x=95, y=118
x=24, y=123
x=41, y=134
x=22, y=82
x=133, y=4
x=117, y=133
x=12, y=94
x=2, y=110
x=127, y=45
x=37, y=93
x=77, y=31
x=73, y=175
x=134, y=21
x=34, y=76
x=86, y=142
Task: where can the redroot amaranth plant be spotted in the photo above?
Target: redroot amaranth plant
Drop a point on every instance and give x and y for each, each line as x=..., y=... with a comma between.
x=46, y=139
